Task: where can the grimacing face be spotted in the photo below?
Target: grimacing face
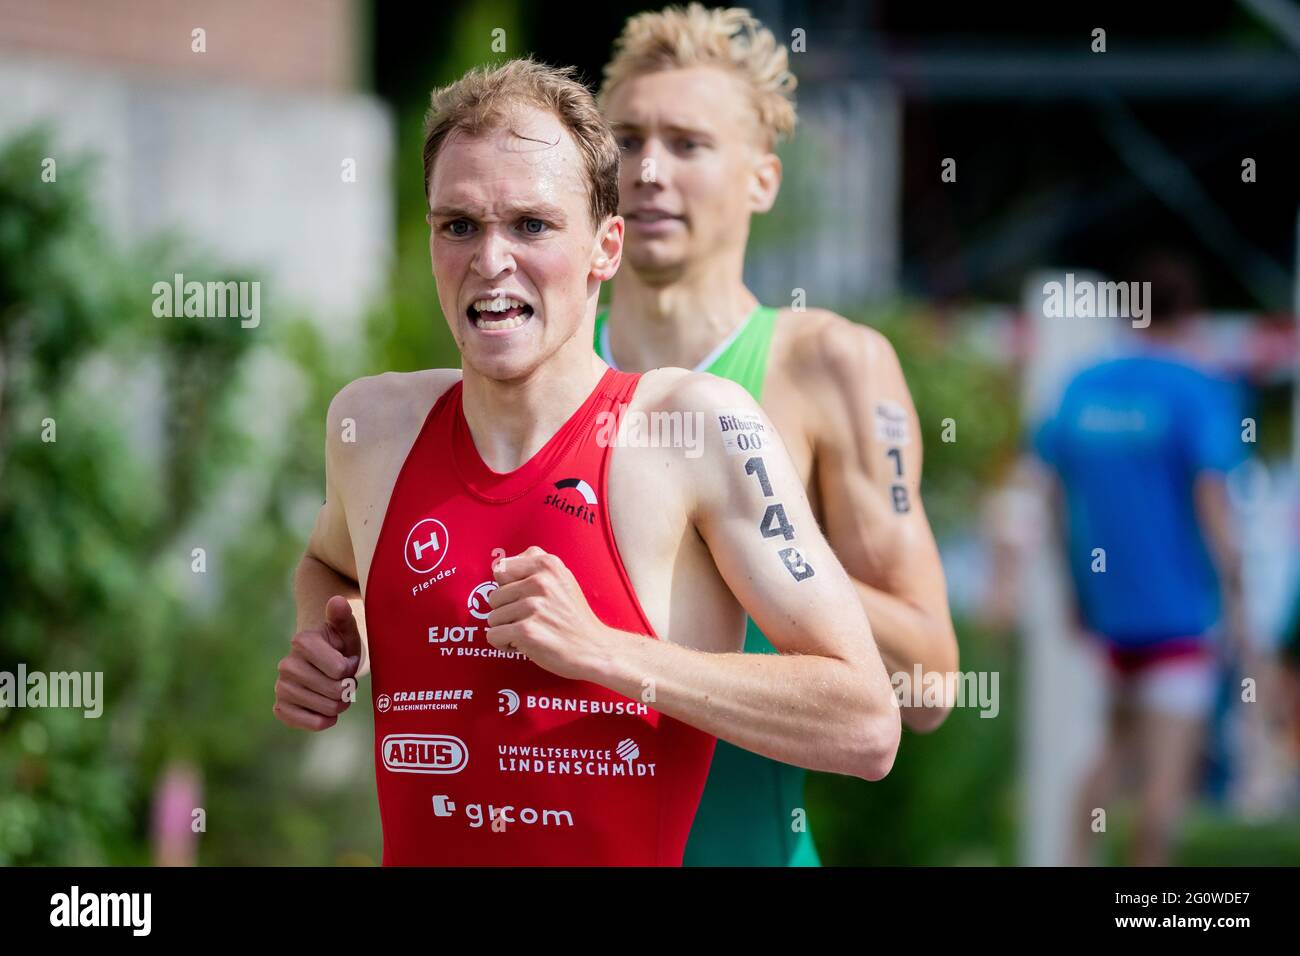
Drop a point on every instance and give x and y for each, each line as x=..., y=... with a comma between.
x=693, y=167
x=514, y=251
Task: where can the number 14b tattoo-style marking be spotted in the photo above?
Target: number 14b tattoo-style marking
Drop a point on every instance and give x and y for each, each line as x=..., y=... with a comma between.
x=775, y=523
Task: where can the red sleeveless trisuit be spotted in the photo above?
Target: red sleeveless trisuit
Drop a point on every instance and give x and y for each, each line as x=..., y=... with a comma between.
x=481, y=756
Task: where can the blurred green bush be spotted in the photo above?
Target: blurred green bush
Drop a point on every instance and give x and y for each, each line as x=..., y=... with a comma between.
x=160, y=446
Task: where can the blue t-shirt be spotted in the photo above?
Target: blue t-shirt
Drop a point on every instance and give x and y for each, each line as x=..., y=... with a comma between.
x=1128, y=441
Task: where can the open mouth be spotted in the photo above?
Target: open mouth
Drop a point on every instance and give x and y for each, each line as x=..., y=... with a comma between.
x=499, y=314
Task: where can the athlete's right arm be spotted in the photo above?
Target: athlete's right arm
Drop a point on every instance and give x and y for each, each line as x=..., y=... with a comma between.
x=317, y=679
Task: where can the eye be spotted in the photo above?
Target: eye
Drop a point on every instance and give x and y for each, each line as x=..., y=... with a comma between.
x=457, y=228
x=688, y=145
x=628, y=143
x=529, y=224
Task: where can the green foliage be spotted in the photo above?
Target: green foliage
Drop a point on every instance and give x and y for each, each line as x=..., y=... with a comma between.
x=159, y=448
x=950, y=798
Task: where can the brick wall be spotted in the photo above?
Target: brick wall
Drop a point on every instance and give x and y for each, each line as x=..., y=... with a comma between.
x=310, y=45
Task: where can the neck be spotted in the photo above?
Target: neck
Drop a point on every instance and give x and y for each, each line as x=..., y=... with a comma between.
x=677, y=323
x=511, y=420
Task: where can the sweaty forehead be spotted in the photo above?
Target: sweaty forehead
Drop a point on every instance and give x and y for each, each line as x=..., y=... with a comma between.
x=531, y=157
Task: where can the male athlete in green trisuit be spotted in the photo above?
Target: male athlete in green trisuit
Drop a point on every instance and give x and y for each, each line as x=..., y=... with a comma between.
x=698, y=99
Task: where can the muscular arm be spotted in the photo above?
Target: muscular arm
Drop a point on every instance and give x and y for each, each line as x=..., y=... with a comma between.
x=868, y=462
x=328, y=565
x=824, y=701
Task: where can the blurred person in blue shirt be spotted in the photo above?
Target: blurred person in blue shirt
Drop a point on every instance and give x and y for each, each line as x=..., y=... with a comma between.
x=1141, y=445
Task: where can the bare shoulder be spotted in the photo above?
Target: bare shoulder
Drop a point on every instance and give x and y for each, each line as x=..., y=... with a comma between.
x=679, y=390
x=817, y=344
x=384, y=401
x=697, y=423
x=378, y=411
x=836, y=371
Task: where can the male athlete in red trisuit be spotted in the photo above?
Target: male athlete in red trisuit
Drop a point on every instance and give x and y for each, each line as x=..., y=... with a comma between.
x=558, y=557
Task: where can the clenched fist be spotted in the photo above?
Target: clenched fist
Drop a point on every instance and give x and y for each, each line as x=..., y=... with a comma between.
x=318, y=678
x=539, y=609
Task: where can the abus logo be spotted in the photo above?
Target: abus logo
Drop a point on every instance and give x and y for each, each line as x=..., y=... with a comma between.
x=424, y=753
x=507, y=701
x=478, y=600
x=426, y=545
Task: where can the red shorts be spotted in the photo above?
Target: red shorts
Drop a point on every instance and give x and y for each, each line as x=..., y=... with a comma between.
x=1176, y=676
x=1133, y=660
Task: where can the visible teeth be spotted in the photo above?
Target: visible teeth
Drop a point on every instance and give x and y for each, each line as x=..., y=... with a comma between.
x=494, y=324
x=497, y=305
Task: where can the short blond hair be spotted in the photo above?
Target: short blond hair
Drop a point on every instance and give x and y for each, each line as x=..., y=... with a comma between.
x=732, y=39
x=485, y=98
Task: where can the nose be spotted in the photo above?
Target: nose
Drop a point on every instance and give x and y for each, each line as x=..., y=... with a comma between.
x=495, y=255
x=651, y=166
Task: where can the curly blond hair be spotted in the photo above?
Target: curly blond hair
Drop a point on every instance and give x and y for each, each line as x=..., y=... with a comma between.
x=732, y=39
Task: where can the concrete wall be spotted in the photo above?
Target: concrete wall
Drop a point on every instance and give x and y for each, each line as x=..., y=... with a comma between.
x=252, y=175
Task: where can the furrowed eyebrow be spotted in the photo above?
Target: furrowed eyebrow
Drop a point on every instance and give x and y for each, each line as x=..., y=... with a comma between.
x=450, y=212
x=541, y=211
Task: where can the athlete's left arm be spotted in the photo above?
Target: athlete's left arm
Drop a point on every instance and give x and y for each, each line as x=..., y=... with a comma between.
x=867, y=449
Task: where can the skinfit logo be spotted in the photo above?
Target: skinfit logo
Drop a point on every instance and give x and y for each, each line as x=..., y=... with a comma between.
x=426, y=545
x=564, y=500
x=478, y=600
x=424, y=753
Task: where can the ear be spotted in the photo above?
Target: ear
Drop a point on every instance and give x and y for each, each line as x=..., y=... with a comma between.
x=765, y=182
x=609, y=249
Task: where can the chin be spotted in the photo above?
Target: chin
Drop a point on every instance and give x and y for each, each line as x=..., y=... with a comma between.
x=655, y=259
x=500, y=368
